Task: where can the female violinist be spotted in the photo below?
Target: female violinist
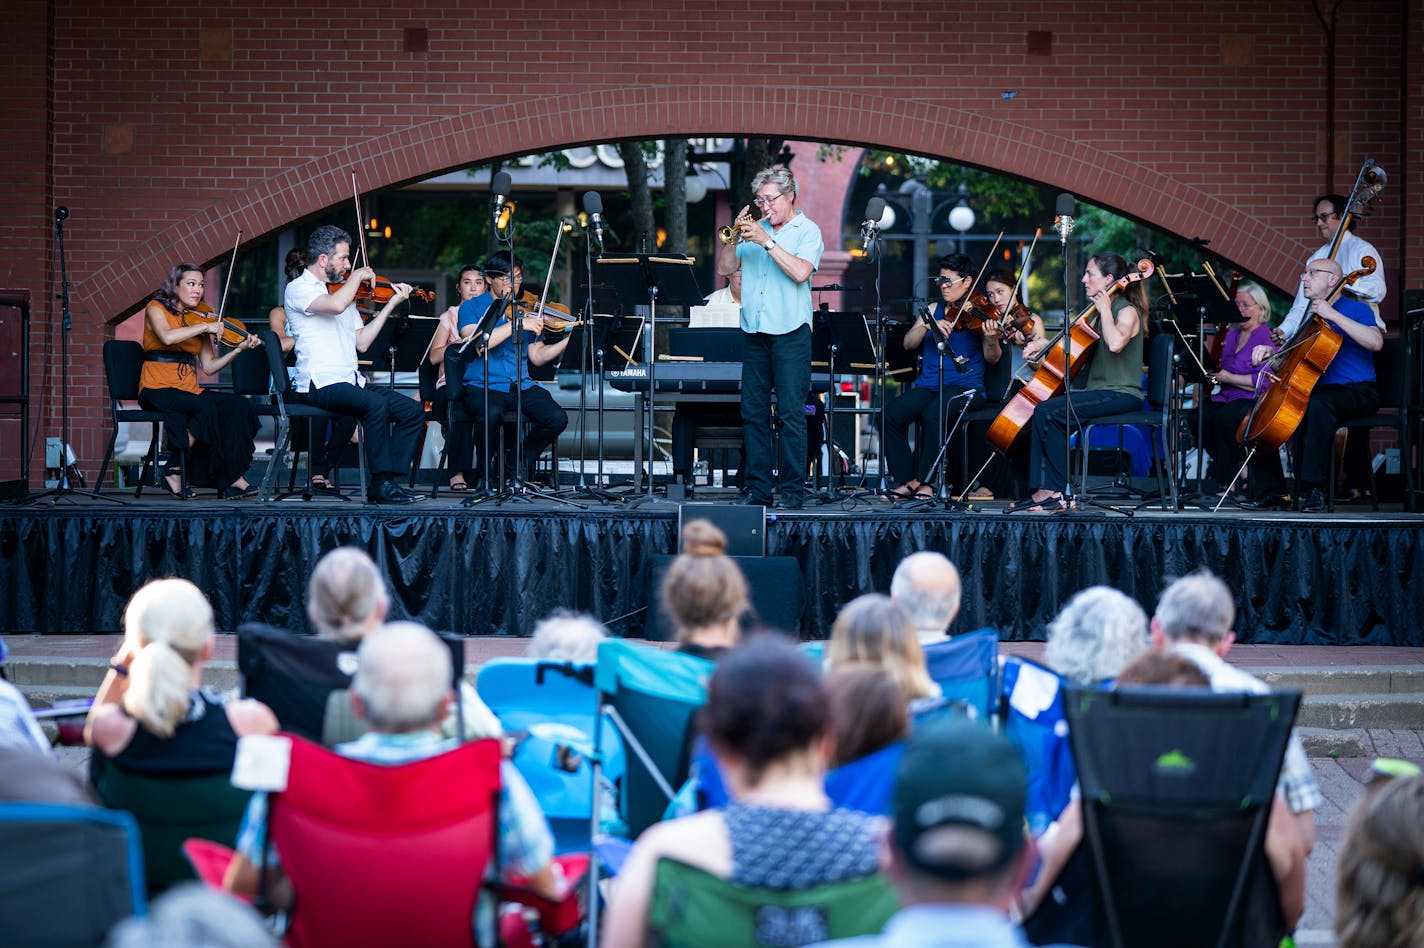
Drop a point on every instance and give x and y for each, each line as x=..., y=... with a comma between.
x=1016, y=324
x=1114, y=378
x=967, y=351
x=180, y=334
x=1238, y=379
x=471, y=283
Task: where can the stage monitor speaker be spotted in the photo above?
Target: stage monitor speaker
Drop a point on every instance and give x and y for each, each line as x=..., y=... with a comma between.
x=745, y=526
x=774, y=584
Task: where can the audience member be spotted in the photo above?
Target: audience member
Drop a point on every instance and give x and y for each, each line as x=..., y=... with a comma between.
x=567, y=636
x=1095, y=635
x=402, y=690
x=867, y=711
x=1284, y=848
x=346, y=595
x=1379, y=896
x=33, y=777
x=704, y=593
x=152, y=714
x=766, y=718
x=1194, y=619
x=193, y=915
x=926, y=585
x=872, y=628
x=18, y=727
x=957, y=852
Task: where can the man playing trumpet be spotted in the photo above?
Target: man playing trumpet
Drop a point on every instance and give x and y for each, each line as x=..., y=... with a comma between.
x=777, y=256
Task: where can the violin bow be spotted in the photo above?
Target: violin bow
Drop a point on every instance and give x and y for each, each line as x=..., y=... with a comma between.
x=549, y=277
x=231, y=266
x=969, y=296
x=361, y=227
x=1023, y=269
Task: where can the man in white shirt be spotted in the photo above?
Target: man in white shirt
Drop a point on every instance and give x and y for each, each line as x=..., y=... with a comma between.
x=329, y=333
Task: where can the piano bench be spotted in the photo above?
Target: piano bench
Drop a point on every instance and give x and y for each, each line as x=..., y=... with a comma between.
x=720, y=447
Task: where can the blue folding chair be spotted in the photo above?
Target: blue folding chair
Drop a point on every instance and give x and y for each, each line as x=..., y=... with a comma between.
x=549, y=708
x=966, y=669
x=67, y=873
x=1034, y=722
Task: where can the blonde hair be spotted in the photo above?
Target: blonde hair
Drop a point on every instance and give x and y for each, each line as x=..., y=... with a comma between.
x=345, y=593
x=1379, y=895
x=703, y=586
x=872, y=628
x=170, y=623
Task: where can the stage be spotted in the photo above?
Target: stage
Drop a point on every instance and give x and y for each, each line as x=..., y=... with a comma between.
x=1348, y=578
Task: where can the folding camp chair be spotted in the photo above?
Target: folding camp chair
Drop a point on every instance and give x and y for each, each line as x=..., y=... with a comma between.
x=293, y=674
x=549, y=708
x=965, y=667
x=169, y=809
x=67, y=874
x=691, y=908
x=1033, y=721
x=1177, y=787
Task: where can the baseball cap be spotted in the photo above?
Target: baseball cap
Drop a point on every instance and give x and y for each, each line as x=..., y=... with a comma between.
x=959, y=800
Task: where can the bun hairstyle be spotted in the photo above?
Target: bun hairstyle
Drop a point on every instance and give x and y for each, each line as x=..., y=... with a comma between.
x=1115, y=266
x=703, y=586
x=170, y=624
x=296, y=261
x=765, y=702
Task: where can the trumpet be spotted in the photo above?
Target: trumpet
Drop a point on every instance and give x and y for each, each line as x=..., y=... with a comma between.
x=730, y=232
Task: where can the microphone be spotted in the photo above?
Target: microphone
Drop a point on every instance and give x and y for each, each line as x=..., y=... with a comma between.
x=593, y=207
x=870, y=227
x=500, y=188
x=60, y=213
x=1067, y=204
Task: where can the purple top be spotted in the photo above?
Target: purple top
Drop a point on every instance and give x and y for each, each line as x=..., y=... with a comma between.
x=1239, y=361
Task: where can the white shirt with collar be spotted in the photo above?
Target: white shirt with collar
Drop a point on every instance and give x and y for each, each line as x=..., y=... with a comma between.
x=1351, y=255
x=326, y=345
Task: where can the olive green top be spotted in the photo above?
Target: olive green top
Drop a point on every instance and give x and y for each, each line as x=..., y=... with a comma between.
x=1118, y=371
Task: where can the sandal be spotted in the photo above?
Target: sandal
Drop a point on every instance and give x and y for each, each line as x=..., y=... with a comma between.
x=903, y=492
x=180, y=492
x=459, y=486
x=924, y=492
x=981, y=493
x=237, y=493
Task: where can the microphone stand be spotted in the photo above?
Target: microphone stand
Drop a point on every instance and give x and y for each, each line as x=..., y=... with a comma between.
x=942, y=493
x=588, y=362
x=881, y=379
x=63, y=489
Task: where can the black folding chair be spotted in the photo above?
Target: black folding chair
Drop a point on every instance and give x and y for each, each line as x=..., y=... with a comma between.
x=293, y=674
x=285, y=411
x=1392, y=379
x=123, y=365
x=1177, y=786
x=1161, y=381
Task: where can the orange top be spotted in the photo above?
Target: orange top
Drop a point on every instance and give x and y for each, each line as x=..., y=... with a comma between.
x=171, y=374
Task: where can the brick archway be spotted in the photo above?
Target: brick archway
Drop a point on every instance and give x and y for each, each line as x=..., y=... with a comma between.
x=411, y=153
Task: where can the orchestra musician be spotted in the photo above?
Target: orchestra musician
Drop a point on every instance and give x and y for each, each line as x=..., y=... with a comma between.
x=1345, y=390
x=329, y=333
x=999, y=287
x=1237, y=378
x=1369, y=289
x=1114, y=378
x=223, y=423
x=777, y=255
x=958, y=373
x=469, y=284
x=338, y=431
x=546, y=419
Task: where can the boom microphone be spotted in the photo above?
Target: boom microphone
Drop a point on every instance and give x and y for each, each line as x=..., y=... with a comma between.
x=870, y=227
x=500, y=188
x=1065, y=209
x=593, y=207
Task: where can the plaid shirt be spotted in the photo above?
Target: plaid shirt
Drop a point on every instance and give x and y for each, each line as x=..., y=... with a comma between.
x=525, y=842
x=1297, y=783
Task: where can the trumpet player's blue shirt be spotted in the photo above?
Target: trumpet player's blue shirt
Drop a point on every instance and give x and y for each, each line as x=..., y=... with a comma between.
x=502, y=358
x=962, y=342
x=772, y=302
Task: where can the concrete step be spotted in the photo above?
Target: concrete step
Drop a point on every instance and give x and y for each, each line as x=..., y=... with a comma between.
x=39, y=673
x=1362, y=711
x=1343, y=680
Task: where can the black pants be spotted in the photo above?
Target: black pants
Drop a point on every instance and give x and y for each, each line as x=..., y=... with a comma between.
x=1219, y=425
x=224, y=422
x=1051, y=426
x=459, y=433
x=546, y=420
x=391, y=422
x=922, y=407
x=1329, y=407
x=781, y=364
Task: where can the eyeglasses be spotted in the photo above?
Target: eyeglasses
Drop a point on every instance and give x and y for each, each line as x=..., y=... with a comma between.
x=766, y=202
x=1317, y=271
x=947, y=281
x=1322, y=218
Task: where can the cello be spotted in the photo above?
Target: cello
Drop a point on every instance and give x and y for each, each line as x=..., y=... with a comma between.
x=1052, y=375
x=1281, y=405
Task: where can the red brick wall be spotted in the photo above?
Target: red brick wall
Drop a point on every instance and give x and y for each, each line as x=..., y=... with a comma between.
x=170, y=129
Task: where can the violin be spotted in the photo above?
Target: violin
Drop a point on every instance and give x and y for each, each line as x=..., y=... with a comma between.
x=1017, y=319
x=234, y=332
x=974, y=311
x=1052, y=374
x=556, y=316
x=381, y=293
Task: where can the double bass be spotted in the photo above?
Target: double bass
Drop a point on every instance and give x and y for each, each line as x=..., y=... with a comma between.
x=1055, y=368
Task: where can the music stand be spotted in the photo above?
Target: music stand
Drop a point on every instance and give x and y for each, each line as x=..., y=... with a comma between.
x=614, y=341
x=405, y=340
x=662, y=278
x=838, y=340
x=1195, y=300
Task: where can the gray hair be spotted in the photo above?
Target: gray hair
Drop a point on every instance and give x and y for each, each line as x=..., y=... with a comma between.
x=567, y=637
x=324, y=239
x=1258, y=295
x=346, y=594
x=403, y=675
x=778, y=175
x=926, y=585
x=1197, y=607
x=1095, y=635
x=192, y=915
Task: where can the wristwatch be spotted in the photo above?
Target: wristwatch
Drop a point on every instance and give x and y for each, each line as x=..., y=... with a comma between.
x=769, y=244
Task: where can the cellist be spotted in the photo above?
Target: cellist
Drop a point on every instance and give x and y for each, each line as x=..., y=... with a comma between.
x=1114, y=378
x=1345, y=390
